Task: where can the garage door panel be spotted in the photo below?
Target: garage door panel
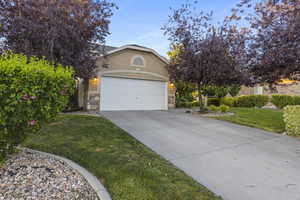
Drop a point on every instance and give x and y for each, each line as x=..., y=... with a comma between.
x=131, y=94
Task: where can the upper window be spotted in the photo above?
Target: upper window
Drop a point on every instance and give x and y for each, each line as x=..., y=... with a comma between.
x=138, y=61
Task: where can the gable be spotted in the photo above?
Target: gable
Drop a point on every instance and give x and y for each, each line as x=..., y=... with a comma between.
x=120, y=63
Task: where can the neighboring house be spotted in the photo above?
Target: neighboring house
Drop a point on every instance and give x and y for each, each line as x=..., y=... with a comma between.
x=286, y=87
x=130, y=77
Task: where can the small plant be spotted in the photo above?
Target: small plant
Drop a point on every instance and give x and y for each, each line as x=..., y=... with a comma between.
x=292, y=120
x=213, y=108
x=224, y=108
x=228, y=101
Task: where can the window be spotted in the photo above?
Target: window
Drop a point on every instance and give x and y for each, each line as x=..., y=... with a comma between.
x=138, y=61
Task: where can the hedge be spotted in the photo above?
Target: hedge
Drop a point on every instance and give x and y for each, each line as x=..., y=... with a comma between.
x=32, y=91
x=292, y=120
x=213, y=101
x=281, y=101
x=251, y=101
x=228, y=101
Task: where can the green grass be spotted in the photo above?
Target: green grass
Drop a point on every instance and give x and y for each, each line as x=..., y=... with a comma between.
x=266, y=119
x=127, y=168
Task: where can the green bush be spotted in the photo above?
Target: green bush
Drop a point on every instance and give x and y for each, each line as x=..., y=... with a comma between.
x=31, y=92
x=187, y=104
x=280, y=101
x=228, y=101
x=213, y=101
x=292, y=120
x=234, y=90
x=224, y=108
x=296, y=100
x=213, y=108
x=252, y=101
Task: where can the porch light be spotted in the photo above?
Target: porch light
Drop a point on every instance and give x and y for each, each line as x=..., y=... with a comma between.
x=286, y=81
x=171, y=85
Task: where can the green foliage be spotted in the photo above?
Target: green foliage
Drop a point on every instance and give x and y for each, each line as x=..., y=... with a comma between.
x=228, y=101
x=184, y=91
x=187, y=104
x=213, y=108
x=292, y=120
x=221, y=108
x=281, y=101
x=252, y=101
x=32, y=91
x=224, y=108
x=234, y=90
x=297, y=100
x=213, y=101
x=215, y=91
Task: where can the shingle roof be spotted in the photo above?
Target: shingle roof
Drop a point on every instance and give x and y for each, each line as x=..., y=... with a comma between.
x=105, y=48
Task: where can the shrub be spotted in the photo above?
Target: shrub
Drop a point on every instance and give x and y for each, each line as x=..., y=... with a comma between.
x=213, y=108
x=213, y=101
x=292, y=120
x=252, y=101
x=234, y=90
x=31, y=92
x=280, y=101
x=296, y=100
x=224, y=108
x=228, y=101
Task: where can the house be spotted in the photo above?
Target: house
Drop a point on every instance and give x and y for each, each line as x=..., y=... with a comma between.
x=130, y=77
x=285, y=86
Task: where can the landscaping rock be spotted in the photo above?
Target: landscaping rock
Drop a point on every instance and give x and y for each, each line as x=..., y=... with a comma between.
x=32, y=176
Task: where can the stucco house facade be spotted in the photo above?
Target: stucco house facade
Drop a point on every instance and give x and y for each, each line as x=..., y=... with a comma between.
x=130, y=77
x=286, y=87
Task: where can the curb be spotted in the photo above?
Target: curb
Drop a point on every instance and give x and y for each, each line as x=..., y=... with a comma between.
x=91, y=179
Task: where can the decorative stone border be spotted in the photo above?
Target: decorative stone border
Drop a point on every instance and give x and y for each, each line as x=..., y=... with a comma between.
x=91, y=179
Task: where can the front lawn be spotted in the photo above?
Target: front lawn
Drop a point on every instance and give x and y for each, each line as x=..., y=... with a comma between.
x=127, y=168
x=267, y=119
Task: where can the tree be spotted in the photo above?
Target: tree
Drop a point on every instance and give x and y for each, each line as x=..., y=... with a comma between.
x=212, y=55
x=234, y=90
x=184, y=90
x=275, y=48
x=63, y=31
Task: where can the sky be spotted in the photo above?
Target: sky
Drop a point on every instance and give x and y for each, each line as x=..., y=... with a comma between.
x=140, y=21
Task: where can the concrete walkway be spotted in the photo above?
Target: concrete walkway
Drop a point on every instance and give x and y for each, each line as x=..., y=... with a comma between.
x=235, y=162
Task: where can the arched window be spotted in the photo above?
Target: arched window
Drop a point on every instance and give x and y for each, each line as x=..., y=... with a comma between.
x=138, y=61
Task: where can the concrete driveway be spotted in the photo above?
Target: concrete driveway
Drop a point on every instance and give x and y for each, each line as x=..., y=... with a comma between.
x=235, y=162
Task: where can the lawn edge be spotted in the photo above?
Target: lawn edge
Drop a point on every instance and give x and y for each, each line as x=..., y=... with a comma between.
x=247, y=125
x=97, y=186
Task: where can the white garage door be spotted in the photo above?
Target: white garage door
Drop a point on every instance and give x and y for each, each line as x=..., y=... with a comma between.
x=132, y=94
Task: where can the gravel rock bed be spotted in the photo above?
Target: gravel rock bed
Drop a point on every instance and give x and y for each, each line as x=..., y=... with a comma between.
x=31, y=176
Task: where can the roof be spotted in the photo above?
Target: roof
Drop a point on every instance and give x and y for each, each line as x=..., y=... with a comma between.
x=105, y=49
x=111, y=50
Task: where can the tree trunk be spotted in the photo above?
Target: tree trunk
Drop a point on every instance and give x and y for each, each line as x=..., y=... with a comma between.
x=200, y=98
x=85, y=93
